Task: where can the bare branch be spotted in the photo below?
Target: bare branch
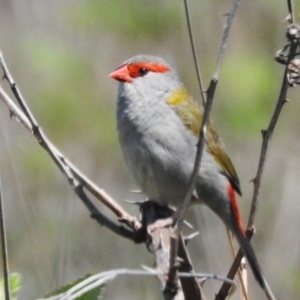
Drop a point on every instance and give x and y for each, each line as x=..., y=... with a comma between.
x=98, y=279
x=160, y=238
x=191, y=288
x=266, y=134
x=223, y=44
x=76, y=179
x=290, y=5
x=243, y=282
x=181, y=212
x=225, y=288
x=191, y=37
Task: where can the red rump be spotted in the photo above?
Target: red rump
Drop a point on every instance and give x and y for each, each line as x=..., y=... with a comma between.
x=234, y=208
x=134, y=68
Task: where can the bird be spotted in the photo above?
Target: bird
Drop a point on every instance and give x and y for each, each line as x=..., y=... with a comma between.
x=158, y=123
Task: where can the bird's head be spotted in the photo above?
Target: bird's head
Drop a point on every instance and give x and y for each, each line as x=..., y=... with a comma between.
x=147, y=77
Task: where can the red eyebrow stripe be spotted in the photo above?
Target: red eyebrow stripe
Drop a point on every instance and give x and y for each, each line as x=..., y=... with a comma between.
x=133, y=68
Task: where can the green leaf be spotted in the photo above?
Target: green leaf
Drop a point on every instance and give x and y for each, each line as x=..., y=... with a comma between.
x=14, y=285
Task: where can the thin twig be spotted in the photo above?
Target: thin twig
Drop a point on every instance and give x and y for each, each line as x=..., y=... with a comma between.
x=243, y=273
x=181, y=212
x=210, y=96
x=241, y=279
x=290, y=5
x=75, y=178
x=267, y=134
x=196, y=60
x=208, y=106
x=89, y=283
x=18, y=94
x=59, y=158
x=225, y=289
x=223, y=44
x=183, y=209
x=4, y=247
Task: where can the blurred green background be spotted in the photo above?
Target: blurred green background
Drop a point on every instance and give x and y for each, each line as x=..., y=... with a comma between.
x=60, y=53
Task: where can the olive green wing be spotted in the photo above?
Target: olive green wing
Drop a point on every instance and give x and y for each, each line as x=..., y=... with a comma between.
x=188, y=111
x=191, y=115
x=216, y=148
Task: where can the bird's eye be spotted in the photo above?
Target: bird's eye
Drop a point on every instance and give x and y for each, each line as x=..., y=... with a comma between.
x=142, y=72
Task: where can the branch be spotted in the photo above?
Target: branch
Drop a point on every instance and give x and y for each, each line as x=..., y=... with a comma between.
x=191, y=37
x=98, y=279
x=159, y=240
x=266, y=134
x=181, y=212
x=290, y=5
x=191, y=288
x=76, y=179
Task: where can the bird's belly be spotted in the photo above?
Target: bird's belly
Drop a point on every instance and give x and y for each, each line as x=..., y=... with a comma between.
x=161, y=171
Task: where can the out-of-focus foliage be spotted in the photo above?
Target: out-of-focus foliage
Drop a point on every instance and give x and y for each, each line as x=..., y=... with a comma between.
x=251, y=90
x=65, y=84
x=60, y=53
x=141, y=19
x=14, y=286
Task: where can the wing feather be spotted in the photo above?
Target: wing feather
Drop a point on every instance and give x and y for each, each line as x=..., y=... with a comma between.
x=191, y=115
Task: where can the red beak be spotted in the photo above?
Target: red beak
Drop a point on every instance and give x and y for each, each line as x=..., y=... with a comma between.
x=121, y=74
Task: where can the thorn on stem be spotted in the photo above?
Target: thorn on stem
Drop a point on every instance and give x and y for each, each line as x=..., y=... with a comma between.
x=253, y=180
x=263, y=132
x=251, y=230
x=202, y=281
x=190, y=237
x=287, y=19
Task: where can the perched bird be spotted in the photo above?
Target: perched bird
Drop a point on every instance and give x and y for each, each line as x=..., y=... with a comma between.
x=159, y=124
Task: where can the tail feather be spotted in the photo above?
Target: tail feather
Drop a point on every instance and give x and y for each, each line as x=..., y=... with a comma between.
x=252, y=260
x=250, y=256
x=238, y=230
